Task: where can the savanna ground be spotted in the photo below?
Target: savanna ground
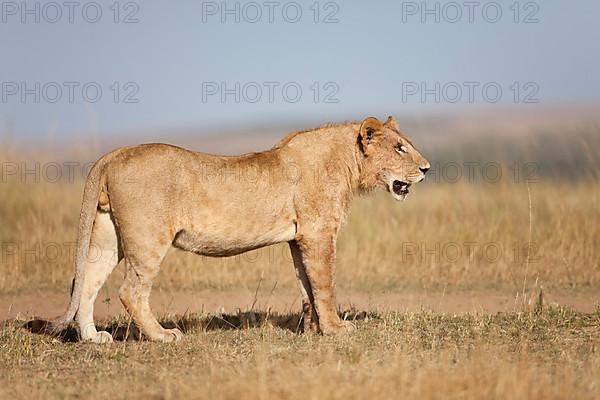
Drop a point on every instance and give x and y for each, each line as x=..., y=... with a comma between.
x=482, y=289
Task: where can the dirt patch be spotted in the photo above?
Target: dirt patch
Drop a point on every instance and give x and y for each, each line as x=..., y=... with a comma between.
x=51, y=304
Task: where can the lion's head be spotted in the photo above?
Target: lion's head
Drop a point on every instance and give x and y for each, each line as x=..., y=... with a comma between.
x=390, y=160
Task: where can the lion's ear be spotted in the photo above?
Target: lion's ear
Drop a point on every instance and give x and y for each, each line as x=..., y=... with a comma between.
x=370, y=131
x=392, y=123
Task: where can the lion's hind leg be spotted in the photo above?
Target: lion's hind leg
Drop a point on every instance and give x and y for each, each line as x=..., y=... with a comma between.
x=103, y=257
x=309, y=315
x=142, y=267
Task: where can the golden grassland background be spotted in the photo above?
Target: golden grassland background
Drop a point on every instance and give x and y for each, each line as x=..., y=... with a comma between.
x=452, y=236
x=538, y=351
x=539, y=222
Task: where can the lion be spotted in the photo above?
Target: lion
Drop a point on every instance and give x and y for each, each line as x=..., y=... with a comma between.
x=139, y=201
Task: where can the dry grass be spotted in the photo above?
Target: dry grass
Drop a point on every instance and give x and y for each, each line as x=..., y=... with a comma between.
x=549, y=355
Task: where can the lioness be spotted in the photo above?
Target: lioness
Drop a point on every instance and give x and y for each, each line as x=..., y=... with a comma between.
x=297, y=192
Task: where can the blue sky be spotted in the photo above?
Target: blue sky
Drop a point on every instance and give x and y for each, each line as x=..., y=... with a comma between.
x=175, y=60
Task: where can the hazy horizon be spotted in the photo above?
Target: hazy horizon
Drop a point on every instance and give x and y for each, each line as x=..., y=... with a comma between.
x=358, y=59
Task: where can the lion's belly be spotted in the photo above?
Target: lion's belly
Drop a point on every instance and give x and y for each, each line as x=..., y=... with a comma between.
x=230, y=219
x=228, y=241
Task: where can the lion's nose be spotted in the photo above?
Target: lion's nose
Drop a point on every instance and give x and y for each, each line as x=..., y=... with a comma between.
x=424, y=170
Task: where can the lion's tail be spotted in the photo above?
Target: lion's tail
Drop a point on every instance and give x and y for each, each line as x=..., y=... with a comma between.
x=86, y=222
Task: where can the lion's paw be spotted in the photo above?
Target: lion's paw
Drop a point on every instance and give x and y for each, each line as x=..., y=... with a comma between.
x=100, y=337
x=340, y=328
x=176, y=333
x=172, y=335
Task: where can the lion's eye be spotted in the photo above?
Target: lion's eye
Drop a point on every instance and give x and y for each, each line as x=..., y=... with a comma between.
x=401, y=149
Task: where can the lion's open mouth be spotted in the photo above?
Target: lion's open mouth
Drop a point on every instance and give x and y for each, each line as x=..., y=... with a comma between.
x=400, y=188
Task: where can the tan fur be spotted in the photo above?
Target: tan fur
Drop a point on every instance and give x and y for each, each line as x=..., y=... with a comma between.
x=298, y=192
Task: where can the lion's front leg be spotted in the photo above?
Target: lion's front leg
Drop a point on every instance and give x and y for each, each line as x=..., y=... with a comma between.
x=318, y=257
